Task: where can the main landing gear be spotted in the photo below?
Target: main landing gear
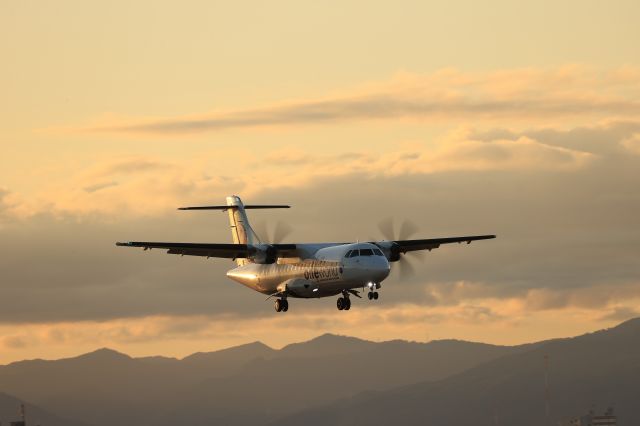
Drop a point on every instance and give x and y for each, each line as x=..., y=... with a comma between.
x=281, y=305
x=343, y=302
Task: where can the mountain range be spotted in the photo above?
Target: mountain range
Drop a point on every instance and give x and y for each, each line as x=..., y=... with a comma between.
x=336, y=380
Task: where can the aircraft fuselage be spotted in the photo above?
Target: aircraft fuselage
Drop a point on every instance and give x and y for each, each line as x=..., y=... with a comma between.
x=327, y=273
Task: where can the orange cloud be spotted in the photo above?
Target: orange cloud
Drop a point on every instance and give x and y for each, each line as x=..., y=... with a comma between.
x=147, y=185
x=491, y=320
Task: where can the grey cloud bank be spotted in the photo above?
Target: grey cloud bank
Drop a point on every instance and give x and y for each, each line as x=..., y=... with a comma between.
x=574, y=235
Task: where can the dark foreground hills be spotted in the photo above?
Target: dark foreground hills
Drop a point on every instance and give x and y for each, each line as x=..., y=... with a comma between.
x=601, y=369
x=338, y=380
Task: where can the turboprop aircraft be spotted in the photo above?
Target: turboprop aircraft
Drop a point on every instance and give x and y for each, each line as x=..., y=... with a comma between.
x=305, y=271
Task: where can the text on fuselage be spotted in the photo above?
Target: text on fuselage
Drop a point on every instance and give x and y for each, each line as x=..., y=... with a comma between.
x=322, y=271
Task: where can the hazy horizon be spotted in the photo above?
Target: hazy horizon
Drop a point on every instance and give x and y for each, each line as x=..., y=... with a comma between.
x=320, y=337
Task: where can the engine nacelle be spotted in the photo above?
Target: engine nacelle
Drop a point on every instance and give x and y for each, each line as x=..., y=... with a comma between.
x=391, y=250
x=264, y=254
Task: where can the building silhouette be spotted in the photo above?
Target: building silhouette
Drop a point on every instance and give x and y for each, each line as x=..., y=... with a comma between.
x=592, y=419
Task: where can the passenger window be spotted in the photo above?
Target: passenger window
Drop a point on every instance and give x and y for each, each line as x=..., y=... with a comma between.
x=366, y=252
x=378, y=252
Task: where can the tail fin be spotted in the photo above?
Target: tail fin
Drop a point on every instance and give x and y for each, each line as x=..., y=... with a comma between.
x=241, y=230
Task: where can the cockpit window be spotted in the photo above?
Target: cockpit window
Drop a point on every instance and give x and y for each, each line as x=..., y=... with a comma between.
x=348, y=253
x=378, y=252
x=352, y=253
x=366, y=252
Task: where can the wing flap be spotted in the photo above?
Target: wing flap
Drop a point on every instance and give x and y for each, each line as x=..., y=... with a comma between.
x=206, y=253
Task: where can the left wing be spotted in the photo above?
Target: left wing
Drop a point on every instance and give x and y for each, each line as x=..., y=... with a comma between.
x=432, y=243
x=228, y=251
x=393, y=249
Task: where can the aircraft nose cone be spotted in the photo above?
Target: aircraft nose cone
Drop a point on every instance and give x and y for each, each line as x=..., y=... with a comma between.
x=382, y=269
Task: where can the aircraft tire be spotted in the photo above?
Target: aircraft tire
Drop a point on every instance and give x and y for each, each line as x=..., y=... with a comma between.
x=340, y=303
x=347, y=304
x=370, y=295
x=285, y=305
x=278, y=305
x=375, y=295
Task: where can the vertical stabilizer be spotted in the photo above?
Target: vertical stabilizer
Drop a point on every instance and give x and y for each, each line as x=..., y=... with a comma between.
x=240, y=228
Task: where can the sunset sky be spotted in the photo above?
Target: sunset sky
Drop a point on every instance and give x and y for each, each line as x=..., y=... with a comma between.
x=464, y=117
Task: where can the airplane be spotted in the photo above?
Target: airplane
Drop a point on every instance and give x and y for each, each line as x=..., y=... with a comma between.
x=314, y=270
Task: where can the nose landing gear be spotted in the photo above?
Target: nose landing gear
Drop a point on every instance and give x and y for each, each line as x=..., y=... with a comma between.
x=373, y=294
x=281, y=305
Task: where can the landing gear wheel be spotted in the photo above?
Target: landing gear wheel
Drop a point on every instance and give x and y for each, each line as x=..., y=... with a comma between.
x=343, y=303
x=281, y=305
x=370, y=295
x=375, y=295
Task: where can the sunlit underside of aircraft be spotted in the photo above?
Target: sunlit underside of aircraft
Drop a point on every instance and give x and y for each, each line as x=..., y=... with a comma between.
x=285, y=271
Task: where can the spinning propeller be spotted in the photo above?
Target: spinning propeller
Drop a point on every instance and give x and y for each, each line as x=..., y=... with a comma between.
x=279, y=232
x=404, y=232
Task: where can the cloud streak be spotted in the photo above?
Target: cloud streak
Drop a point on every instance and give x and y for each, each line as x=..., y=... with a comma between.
x=530, y=94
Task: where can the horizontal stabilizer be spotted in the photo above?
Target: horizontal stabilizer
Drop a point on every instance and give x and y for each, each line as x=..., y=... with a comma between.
x=255, y=206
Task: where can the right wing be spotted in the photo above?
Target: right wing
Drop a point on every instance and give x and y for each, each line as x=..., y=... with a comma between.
x=228, y=251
